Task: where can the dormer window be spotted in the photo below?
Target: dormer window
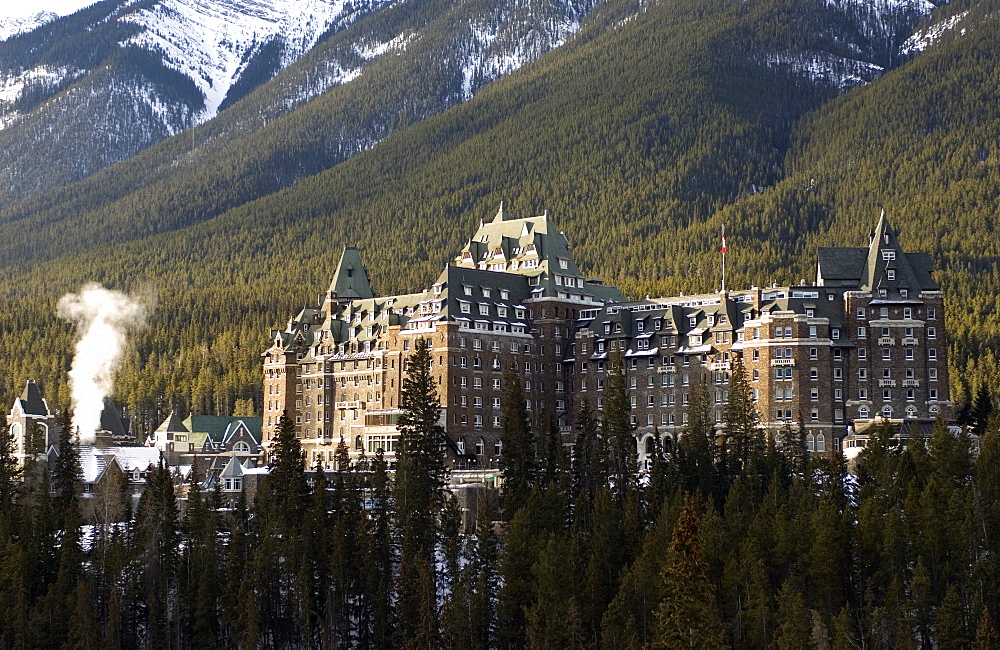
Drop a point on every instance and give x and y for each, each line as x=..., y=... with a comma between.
x=504, y=294
x=486, y=292
x=882, y=293
x=563, y=264
x=437, y=289
x=904, y=293
x=467, y=289
x=890, y=274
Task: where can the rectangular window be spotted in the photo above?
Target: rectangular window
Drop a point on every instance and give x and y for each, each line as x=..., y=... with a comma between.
x=932, y=332
x=931, y=313
x=861, y=333
x=932, y=354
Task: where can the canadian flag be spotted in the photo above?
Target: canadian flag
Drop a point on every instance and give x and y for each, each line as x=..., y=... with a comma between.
x=723, y=240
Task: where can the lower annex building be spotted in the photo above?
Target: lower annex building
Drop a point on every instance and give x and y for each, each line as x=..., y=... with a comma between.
x=866, y=341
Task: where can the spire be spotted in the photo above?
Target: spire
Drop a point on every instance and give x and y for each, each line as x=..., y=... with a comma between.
x=32, y=402
x=351, y=279
x=887, y=265
x=501, y=215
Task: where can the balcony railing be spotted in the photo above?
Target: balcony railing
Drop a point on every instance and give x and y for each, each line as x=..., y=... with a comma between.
x=782, y=362
x=887, y=340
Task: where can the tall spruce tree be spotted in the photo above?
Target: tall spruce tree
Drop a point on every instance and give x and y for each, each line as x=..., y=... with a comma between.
x=419, y=497
x=742, y=423
x=618, y=430
x=688, y=617
x=519, y=464
x=10, y=476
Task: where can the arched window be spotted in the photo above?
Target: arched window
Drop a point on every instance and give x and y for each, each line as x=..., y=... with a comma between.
x=498, y=447
x=668, y=444
x=820, y=442
x=863, y=412
x=887, y=411
x=15, y=432
x=810, y=443
x=649, y=445
x=241, y=447
x=359, y=443
x=480, y=447
x=460, y=443
x=911, y=411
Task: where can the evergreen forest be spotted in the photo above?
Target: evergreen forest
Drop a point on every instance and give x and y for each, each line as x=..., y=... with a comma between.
x=642, y=136
x=740, y=541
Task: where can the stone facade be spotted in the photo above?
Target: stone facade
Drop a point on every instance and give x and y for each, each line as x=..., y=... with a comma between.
x=866, y=340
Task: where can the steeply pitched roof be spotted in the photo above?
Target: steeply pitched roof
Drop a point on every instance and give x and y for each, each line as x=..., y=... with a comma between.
x=111, y=421
x=173, y=424
x=351, y=279
x=215, y=426
x=32, y=402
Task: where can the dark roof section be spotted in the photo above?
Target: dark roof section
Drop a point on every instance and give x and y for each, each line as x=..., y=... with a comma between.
x=111, y=421
x=840, y=266
x=869, y=269
x=350, y=282
x=32, y=402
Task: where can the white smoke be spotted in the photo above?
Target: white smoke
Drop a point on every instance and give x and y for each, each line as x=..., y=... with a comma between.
x=103, y=318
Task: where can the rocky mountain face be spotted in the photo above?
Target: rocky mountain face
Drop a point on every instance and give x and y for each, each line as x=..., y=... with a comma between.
x=85, y=91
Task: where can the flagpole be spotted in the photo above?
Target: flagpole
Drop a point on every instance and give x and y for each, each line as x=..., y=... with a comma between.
x=723, y=258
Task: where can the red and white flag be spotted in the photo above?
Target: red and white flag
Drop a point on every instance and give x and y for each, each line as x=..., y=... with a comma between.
x=723, y=240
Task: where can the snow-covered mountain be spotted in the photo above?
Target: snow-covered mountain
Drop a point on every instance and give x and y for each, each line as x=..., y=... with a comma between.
x=86, y=89
x=17, y=18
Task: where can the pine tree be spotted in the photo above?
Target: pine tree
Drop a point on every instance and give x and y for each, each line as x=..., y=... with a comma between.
x=618, y=431
x=688, y=616
x=156, y=538
x=284, y=492
x=794, y=630
x=743, y=435
x=696, y=449
x=10, y=476
x=419, y=496
x=950, y=621
x=519, y=465
x=987, y=637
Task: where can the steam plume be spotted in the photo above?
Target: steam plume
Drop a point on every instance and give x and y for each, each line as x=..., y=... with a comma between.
x=103, y=319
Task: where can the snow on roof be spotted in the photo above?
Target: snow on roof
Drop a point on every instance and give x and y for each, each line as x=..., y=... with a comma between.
x=94, y=460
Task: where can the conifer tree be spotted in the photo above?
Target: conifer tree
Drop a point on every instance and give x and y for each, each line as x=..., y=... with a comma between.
x=688, y=617
x=419, y=496
x=10, y=476
x=950, y=621
x=156, y=538
x=618, y=431
x=794, y=631
x=588, y=462
x=696, y=466
x=743, y=435
x=284, y=492
x=519, y=464
x=987, y=637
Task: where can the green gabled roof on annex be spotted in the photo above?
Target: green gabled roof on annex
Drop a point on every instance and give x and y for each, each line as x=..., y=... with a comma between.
x=215, y=426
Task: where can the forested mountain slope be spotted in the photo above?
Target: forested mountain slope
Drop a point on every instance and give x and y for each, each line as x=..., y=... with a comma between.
x=640, y=137
x=89, y=90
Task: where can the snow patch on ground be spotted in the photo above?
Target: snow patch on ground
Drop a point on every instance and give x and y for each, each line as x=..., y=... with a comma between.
x=490, y=58
x=833, y=70
x=369, y=52
x=925, y=37
x=884, y=7
x=11, y=87
x=211, y=41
